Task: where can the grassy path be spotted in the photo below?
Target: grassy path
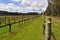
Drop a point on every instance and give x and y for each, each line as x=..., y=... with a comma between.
x=30, y=32
x=33, y=31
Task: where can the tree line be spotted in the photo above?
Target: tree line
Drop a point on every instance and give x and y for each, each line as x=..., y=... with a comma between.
x=16, y=13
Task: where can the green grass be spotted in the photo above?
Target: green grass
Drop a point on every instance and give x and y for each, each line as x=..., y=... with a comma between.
x=30, y=32
x=4, y=30
x=33, y=30
x=56, y=28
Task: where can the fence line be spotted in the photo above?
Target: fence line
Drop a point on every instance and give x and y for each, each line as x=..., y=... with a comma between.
x=23, y=20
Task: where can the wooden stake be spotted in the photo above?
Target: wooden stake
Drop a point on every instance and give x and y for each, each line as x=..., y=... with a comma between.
x=48, y=29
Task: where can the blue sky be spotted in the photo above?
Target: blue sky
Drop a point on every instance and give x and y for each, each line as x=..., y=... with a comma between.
x=24, y=5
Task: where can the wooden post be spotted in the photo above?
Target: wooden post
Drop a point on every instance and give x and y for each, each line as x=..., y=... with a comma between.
x=9, y=27
x=0, y=21
x=5, y=19
x=19, y=23
x=22, y=20
x=48, y=29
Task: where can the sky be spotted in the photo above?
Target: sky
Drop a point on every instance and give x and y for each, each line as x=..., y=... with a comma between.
x=24, y=6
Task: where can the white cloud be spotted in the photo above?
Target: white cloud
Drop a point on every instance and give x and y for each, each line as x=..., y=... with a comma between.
x=30, y=6
x=9, y=7
x=36, y=4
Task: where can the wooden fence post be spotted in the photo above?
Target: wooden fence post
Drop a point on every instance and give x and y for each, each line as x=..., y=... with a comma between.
x=0, y=21
x=9, y=27
x=5, y=19
x=19, y=23
x=48, y=29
